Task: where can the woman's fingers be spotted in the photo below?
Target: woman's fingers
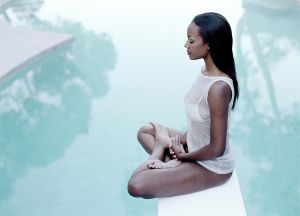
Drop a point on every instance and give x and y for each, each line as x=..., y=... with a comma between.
x=171, y=146
x=178, y=143
x=171, y=151
x=174, y=142
x=175, y=146
x=177, y=140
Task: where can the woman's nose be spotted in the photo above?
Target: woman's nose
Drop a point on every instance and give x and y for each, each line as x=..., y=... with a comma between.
x=186, y=45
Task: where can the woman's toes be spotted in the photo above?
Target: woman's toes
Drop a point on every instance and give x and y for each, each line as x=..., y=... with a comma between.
x=158, y=166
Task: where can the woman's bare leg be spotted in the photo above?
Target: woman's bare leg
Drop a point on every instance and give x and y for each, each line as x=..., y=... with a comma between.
x=157, y=154
x=161, y=141
x=186, y=178
x=146, y=136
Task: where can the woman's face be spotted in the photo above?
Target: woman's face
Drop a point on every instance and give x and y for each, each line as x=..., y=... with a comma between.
x=196, y=48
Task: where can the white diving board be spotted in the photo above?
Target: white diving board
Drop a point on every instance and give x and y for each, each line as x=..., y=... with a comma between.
x=19, y=46
x=222, y=200
x=4, y=4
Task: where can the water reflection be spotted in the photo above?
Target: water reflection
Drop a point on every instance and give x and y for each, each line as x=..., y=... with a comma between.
x=268, y=47
x=79, y=76
x=49, y=96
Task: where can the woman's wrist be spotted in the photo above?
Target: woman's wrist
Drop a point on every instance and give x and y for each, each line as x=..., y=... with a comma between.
x=181, y=156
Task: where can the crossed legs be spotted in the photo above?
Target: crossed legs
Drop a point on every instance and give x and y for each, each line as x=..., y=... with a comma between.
x=186, y=177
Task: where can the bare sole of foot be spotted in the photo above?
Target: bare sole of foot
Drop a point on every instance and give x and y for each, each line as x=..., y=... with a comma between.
x=161, y=134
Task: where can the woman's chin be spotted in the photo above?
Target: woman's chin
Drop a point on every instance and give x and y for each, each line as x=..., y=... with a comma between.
x=193, y=57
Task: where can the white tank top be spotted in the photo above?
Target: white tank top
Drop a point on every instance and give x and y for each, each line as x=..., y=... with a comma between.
x=198, y=123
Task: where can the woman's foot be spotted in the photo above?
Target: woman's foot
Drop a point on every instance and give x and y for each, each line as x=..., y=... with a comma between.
x=161, y=135
x=158, y=164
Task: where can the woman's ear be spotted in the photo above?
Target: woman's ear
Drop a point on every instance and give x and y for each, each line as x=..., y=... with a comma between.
x=207, y=46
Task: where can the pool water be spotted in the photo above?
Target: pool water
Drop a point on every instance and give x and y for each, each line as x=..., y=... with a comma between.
x=68, y=120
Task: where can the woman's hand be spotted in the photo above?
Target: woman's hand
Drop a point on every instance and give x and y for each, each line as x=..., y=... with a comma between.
x=176, y=148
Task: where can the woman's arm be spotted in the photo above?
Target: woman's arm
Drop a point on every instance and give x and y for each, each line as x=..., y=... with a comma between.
x=219, y=97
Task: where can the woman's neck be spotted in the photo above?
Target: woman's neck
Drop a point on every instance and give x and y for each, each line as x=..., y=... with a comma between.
x=210, y=67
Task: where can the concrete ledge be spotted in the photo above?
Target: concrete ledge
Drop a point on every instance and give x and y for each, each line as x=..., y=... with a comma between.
x=19, y=46
x=4, y=4
x=222, y=200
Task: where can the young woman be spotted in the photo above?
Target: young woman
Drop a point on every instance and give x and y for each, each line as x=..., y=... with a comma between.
x=201, y=157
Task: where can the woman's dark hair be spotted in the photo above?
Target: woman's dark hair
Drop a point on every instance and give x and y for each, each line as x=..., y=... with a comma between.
x=216, y=32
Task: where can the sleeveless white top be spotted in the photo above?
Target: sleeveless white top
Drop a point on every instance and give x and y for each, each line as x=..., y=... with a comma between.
x=198, y=123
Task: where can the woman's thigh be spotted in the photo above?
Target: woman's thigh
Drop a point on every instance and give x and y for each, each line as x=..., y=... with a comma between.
x=186, y=178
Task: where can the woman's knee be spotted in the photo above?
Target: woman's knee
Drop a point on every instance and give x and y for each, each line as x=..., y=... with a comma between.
x=139, y=134
x=138, y=188
x=142, y=131
x=134, y=188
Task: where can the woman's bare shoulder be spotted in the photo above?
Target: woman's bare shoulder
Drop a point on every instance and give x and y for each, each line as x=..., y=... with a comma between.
x=219, y=94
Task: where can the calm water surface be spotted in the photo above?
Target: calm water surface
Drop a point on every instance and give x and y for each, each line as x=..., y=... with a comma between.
x=68, y=121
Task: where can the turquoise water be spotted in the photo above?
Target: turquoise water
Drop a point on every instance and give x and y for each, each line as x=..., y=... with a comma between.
x=68, y=121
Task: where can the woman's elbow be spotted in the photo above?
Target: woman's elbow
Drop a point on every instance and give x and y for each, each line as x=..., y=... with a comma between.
x=217, y=151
